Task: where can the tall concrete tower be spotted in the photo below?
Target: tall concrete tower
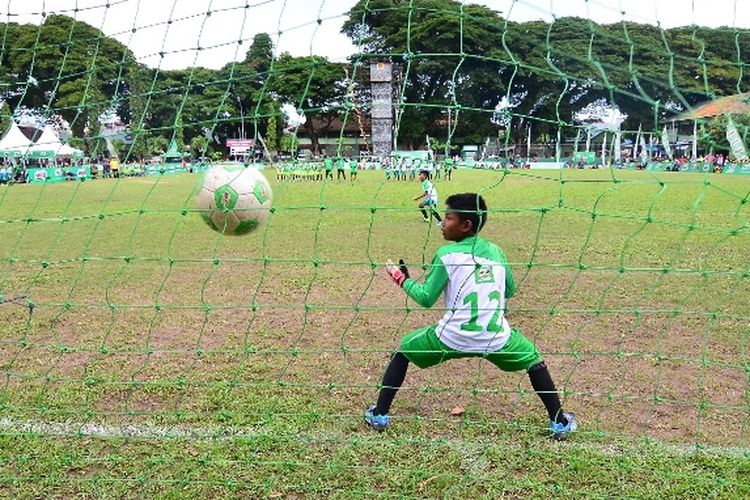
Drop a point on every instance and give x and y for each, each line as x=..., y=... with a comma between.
x=381, y=79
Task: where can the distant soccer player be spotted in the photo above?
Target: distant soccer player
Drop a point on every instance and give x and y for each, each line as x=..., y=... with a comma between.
x=352, y=169
x=318, y=171
x=340, y=163
x=448, y=168
x=429, y=197
x=279, y=172
x=404, y=169
x=475, y=280
x=329, y=168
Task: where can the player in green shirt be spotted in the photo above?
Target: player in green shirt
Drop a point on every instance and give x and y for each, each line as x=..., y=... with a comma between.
x=352, y=169
x=318, y=169
x=429, y=197
x=329, y=168
x=340, y=164
x=475, y=280
x=448, y=168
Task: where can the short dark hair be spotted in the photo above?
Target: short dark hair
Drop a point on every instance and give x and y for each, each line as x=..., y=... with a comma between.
x=425, y=172
x=469, y=206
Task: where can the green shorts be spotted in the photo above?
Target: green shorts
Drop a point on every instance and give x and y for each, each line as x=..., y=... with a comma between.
x=423, y=348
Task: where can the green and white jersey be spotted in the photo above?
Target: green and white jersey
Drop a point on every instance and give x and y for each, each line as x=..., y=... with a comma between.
x=428, y=188
x=474, y=277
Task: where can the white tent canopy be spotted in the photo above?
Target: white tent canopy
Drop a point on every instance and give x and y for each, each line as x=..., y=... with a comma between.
x=14, y=140
x=48, y=141
x=66, y=150
x=49, y=146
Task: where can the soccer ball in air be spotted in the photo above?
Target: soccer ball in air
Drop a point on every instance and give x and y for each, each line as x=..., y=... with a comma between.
x=234, y=201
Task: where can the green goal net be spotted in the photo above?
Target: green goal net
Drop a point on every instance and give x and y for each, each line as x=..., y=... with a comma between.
x=143, y=352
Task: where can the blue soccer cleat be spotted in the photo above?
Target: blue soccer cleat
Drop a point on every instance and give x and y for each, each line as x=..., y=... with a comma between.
x=377, y=422
x=560, y=431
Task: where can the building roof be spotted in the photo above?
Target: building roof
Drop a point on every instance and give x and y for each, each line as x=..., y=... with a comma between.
x=737, y=104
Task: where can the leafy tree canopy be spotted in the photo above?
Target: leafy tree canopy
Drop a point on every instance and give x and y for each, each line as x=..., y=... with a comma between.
x=457, y=61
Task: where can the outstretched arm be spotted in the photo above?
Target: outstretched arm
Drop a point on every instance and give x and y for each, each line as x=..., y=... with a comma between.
x=425, y=294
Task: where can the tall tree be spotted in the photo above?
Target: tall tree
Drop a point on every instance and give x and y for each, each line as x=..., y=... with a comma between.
x=457, y=61
x=200, y=146
x=314, y=85
x=272, y=133
x=465, y=57
x=260, y=54
x=178, y=135
x=6, y=117
x=450, y=76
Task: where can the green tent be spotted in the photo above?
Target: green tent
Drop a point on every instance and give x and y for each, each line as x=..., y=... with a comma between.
x=173, y=154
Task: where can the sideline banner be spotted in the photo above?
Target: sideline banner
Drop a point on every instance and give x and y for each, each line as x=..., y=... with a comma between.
x=58, y=174
x=733, y=168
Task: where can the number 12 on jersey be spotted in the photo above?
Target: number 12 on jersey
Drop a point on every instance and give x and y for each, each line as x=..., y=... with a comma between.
x=473, y=300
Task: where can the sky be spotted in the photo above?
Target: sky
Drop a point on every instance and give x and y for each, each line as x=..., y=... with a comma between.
x=145, y=27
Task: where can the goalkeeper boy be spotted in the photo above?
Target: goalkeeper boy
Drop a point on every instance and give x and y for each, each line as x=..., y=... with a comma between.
x=475, y=279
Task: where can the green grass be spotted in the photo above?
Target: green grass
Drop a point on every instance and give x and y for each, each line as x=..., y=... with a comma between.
x=633, y=285
x=474, y=462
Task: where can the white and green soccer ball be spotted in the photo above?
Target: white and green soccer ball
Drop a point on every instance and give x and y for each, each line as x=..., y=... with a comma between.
x=234, y=201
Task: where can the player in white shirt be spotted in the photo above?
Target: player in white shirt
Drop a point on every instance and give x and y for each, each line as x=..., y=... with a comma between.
x=475, y=280
x=429, y=198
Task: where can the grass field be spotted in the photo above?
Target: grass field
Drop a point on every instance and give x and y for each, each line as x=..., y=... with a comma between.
x=162, y=358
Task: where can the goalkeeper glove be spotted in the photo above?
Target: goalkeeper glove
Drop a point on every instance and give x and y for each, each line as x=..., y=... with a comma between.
x=398, y=274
